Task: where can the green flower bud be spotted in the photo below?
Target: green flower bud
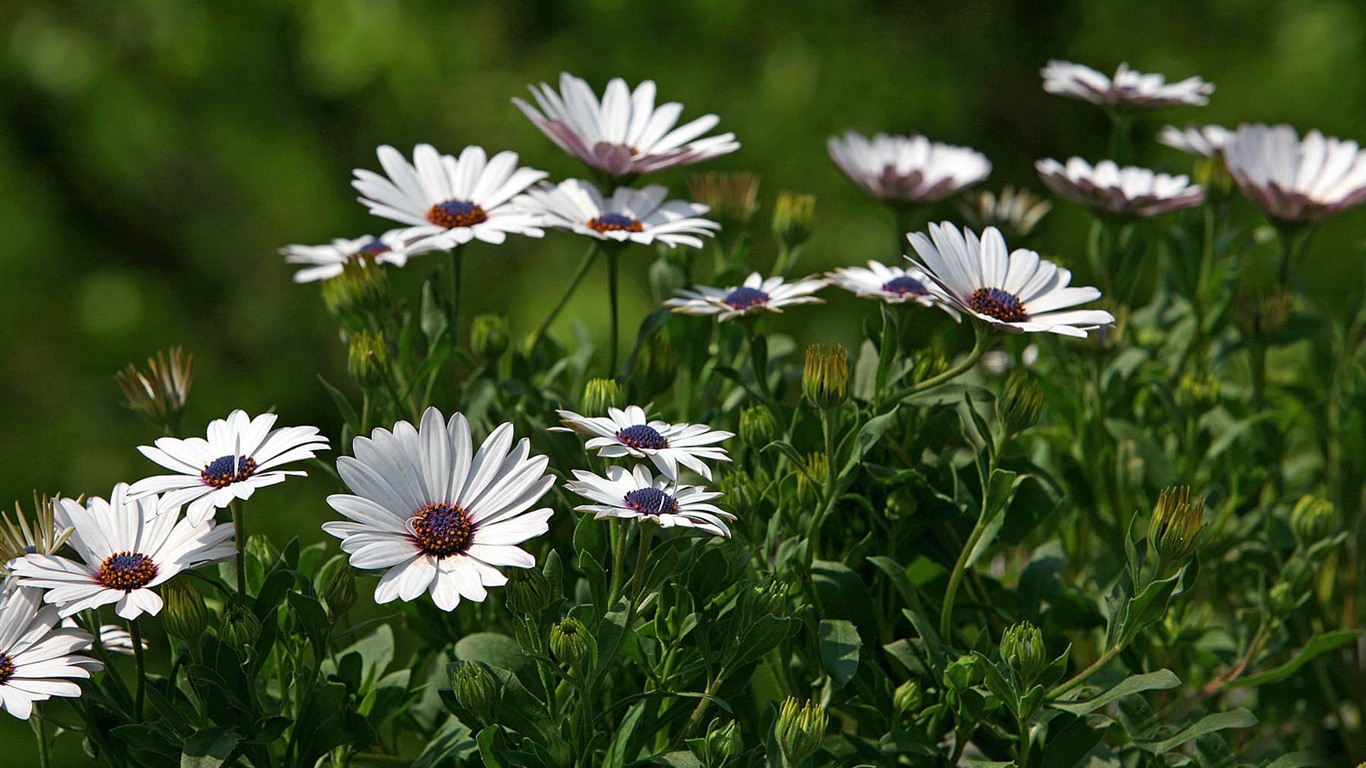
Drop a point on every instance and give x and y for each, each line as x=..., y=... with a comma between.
x=489, y=337
x=528, y=591
x=732, y=197
x=601, y=394
x=362, y=286
x=742, y=489
x=336, y=585
x=1176, y=524
x=476, y=689
x=159, y=394
x=185, y=616
x=1313, y=519
x=799, y=730
x=656, y=366
x=1023, y=650
x=901, y=502
x=825, y=376
x=811, y=482
x=240, y=627
x=757, y=426
x=766, y=599
x=928, y=364
x=907, y=699
x=571, y=643
x=1200, y=391
x=1020, y=402
x=793, y=217
x=261, y=547
x=1283, y=598
x=725, y=742
x=367, y=358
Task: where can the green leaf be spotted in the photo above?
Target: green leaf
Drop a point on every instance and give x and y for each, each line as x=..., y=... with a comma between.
x=451, y=743
x=1000, y=490
x=209, y=748
x=1318, y=645
x=623, y=746
x=1161, y=680
x=840, y=644
x=488, y=750
x=1296, y=760
x=1238, y=718
x=1146, y=608
x=868, y=436
x=491, y=648
x=1070, y=739
x=432, y=317
x=314, y=620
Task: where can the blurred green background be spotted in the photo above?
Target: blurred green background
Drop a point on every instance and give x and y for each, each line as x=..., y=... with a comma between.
x=155, y=155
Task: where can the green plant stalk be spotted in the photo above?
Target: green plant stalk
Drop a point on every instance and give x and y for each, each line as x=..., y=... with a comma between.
x=696, y=717
x=613, y=268
x=1022, y=751
x=619, y=535
x=239, y=526
x=813, y=533
x=961, y=565
x=647, y=533
x=40, y=731
x=1083, y=675
x=140, y=666
x=983, y=338
x=579, y=273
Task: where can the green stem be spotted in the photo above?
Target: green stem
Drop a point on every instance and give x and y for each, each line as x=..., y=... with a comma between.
x=619, y=534
x=647, y=533
x=701, y=708
x=579, y=273
x=813, y=533
x=613, y=269
x=140, y=664
x=40, y=731
x=1022, y=751
x=1083, y=675
x=961, y=565
x=982, y=342
x=240, y=532
x=453, y=307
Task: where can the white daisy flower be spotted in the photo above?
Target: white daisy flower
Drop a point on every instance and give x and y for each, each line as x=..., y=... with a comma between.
x=629, y=433
x=126, y=546
x=1199, y=140
x=113, y=637
x=325, y=262
x=1296, y=180
x=239, y=456
x=756, y=295
x=1015, y=292
x=893, y=285
x=37, y=661
x=625, y=134
x=635, y=215
x=439, y=516
x=1127, y=90
x=446, y=202
x=636, y=494
x=907, y=168
x=1127, y=191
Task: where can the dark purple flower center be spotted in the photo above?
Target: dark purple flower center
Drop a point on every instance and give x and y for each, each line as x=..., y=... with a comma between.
x=651, y=501
x=6, y=668
x=127, y=571
x=456, y=213
x=226, y=470
x=442, y=530
x=615, y=222
x=905, y=285
x=1002, y=305
x=744, y=297
x=642, y=437
x=371, y=250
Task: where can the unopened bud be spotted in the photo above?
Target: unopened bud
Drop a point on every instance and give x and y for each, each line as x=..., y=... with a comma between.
x=1262, y=316
x=811, y=482
x=601, y=394
x=799, y=730
x=263, y=549
x=929, y=364
x=907, y=698
x=1020, y=403
x=793, y=218
x=489, y=337
x=726, y=742
x=571, y=643
x=185, y=616
x=336, y=585
x=1283, y=598
x=363, y=285
x=240, y=627
x=528, y=591
x=1313, y=519
x=476, y=689
x=1176, y=524
x=1200, y=391
x=825, y=376
x=757, y=426
x=1023, y=650
x=367, y=358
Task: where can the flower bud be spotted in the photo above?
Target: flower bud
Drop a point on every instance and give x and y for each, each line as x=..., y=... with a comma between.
x=185, y=616
x=799, y=730
x=1176, y=524
x=825, y=376
x=1200, y=391
x=742, y=489
x=907, y=699
x=601, y=394
x=1020, y=402
x=240, y=627
x=476, y=689
x=1023, y=650
x=1262, y=316
x=1313, y=519
x=721, y=743
x=765, y=599
x=336, y=585
x=757, y=426
x=733, y=198
x=528, y=591
x=1015, y=212
x=656, y=366
x=362, y=286
x=263, y=549
x=571, y=643
x=367, y=358
x=901, y=502
x=1283, y=598
x=793, y=217
x=159, y=394
x=489, y=337
x=811, y=482
x=928, y=364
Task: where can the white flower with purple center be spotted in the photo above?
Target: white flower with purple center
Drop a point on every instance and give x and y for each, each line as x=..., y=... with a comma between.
x=1294, y=180
x=1198, y=140
x=446, y=202
x=1014, y=292
x=638, y=495
x=127, y=546
x=754, y=296
x=324, y=262
x=625, y=134
x=628, y=432
x=1126, y=90
x=1127, y=191
x=907, y=168
x=438, y=516
x=635, y=215
x=37, y=661
x=240, y=455
x=893, y=285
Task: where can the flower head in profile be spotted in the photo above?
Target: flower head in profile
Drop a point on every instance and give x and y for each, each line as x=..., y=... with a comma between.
x=894, y=285
x=1127, y=191
x=1014, y=211
x=629, y=215
x=637, y=495
x=324, y=262
x=239, y=455
x=624, y=134
x=907, y=168
x=1015, y=292
x=627, y=432
x=754, y=296
x=437, y=515
x=1296, y=180
x=1198, y=140
x=1126, y=90
x=38, y=661
x=444, y=201
x=126, y=547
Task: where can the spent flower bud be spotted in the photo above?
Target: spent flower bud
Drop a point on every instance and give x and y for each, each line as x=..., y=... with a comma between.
x=732, y=197
x=1261, y=316
x=1020, y=402
x=528, y=591
x=1313, y=519
x=41, y=536
x=793, y=218
x=601, y=394
x=572, y=644
x=1015, y=211
x=757, y=426
x=1176, y=524
x=367, y=358
x=489, y=337
x=336, y=585
x=825, y=376
x=185, y=616
x=476, y=689
x=1023, y=650
x=799, y=730
x=159, y=393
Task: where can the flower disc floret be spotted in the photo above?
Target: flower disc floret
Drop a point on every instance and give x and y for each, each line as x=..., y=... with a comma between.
x=6, y=668
x=905, y=285
x=651, y=501
x=442, y=530
x=127, y=571
x=456, y=213
x=226, y=470
x=642, y=437
x=1002, y=305
x=744, y=297
x=615, y=222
